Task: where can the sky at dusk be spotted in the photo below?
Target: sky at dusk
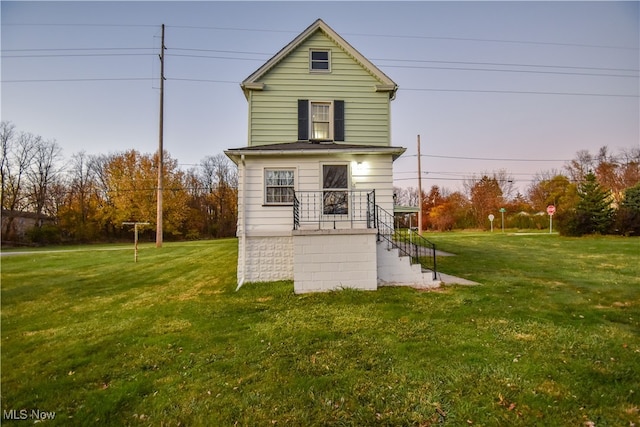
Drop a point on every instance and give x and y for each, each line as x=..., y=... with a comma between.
x=520, y=86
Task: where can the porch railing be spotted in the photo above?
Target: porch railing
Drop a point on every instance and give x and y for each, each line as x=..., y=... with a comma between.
x=358, y=209
x=334, y=209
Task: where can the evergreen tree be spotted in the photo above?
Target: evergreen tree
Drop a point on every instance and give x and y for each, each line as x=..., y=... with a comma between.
x=628, y=217
x=593, y=213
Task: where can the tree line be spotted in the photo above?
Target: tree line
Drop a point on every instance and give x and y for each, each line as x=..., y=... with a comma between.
x=593, y=193
x=87, y=198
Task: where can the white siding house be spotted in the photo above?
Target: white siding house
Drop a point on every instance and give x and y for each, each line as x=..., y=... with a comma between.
x=317, y=173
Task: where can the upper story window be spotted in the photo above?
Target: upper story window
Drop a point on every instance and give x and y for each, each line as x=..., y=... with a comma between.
x=321, y=120
x=320, y=60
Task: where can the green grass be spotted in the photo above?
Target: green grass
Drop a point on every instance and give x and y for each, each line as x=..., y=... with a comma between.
x=552, y=337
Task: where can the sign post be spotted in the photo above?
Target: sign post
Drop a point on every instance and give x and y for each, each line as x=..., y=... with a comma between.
x=135, y=237
x=502, y=211
x=491, y=218
x=551, y=209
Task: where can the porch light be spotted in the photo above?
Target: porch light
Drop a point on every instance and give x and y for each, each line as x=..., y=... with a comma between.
x=360, y=168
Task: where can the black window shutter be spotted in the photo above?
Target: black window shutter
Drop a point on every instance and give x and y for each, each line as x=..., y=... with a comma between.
x=338, y=120
x=303, y=119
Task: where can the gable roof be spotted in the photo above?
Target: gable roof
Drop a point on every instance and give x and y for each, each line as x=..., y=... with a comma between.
x=387, y=85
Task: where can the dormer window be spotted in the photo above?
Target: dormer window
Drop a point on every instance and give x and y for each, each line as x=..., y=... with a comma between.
x=320, y=61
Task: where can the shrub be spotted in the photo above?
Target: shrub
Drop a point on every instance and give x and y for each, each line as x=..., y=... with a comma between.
x=45, y=235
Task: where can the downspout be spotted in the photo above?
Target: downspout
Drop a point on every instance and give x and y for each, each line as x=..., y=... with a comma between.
x=243, y=223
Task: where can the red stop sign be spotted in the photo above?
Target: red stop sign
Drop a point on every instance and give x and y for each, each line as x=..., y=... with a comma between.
x=551, y=209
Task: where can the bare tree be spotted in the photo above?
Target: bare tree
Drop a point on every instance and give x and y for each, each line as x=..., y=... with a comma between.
x=20, y=151
x=579, y=167
x=219, y=179
x=501, y=177
x=82, y=184
x=406, y=196
x=42, y=174
x=7, y=135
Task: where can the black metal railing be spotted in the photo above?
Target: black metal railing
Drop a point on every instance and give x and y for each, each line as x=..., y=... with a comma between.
x=334, y=208
x=358, y=209
x=408, y=242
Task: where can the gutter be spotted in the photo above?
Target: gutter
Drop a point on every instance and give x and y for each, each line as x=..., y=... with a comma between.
x=396, y=152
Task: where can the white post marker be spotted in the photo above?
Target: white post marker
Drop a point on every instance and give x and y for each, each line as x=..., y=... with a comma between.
x=135, y=237
x=551, y=210
x=502, y=211
x=491, y=218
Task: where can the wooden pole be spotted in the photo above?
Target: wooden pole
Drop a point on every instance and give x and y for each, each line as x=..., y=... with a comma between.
x=160, y=148
x=135, y=237
x=135, y=243
x=419, y=191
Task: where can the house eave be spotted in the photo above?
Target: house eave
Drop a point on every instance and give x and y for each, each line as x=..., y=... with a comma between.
x=236, y=154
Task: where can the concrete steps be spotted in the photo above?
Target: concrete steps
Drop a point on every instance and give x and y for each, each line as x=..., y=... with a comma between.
x=397, y=270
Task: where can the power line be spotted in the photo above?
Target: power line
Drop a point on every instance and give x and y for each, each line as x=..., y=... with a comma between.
x=75, y=49
x=202, y=80
x=221, y=51
x=486, y=158
x=407, y=36
x=457, y=179
x=477, y=39
x=81, y=55
x=460, y=173
x=511, y=71
x=518, y=92
x=494, y=64
x=74, y=80
x=508, y=64
x=212, y=57
x=75, y=24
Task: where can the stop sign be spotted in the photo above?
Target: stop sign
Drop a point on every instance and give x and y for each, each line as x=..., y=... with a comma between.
x=551, y=209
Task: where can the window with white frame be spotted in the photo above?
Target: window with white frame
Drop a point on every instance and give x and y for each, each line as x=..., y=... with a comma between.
x=279, y=186
x=321, y=123
x=320, y=60
x=321, y=120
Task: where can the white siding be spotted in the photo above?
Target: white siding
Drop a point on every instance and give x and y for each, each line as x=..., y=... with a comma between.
x=264, y=220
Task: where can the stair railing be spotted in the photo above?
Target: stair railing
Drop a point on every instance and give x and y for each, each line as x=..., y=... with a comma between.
x=408, y=242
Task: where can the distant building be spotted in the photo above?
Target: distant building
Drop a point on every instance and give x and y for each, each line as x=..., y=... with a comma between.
x=16, y=224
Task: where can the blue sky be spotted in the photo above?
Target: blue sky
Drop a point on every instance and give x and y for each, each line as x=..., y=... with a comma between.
x=529, y=81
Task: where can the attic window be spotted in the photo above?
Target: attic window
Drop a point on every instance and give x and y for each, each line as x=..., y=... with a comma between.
x=320, y=60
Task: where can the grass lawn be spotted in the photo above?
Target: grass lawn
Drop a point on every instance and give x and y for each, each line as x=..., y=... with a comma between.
x=550, y=338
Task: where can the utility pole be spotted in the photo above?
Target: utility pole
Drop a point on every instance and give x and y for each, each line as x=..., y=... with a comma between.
x=160, y=147
x=419, y=191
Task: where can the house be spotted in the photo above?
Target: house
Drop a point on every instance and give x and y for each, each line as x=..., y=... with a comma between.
x=16, y=225
x=315, y=182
